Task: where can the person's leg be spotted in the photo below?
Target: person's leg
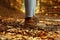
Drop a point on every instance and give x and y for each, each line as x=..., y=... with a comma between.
x=30, y=11
x=30, y=7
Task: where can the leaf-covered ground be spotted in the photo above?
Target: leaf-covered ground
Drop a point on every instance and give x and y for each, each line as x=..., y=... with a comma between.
x=13, y=30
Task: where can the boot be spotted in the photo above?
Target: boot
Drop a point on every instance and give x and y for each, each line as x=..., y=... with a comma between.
x=29, y=22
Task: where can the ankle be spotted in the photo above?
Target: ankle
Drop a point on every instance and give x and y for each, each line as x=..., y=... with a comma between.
x=28, y=18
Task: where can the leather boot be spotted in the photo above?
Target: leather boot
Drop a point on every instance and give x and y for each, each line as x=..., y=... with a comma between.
x=29, y=22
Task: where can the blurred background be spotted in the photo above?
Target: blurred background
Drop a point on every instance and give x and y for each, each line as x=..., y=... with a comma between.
x=45, y=7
